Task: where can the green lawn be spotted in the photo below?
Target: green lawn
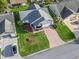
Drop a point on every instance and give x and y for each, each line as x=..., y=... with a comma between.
x=36, y=42
x=19, y=8
x=63, y=31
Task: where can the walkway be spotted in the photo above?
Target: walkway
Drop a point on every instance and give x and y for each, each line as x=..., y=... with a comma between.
x=53, y=37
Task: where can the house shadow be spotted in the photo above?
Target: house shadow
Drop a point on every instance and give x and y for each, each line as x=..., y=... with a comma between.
x=7, y=52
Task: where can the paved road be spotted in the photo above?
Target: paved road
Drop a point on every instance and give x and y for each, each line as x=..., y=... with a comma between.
x=53, y=37
x=68, y=51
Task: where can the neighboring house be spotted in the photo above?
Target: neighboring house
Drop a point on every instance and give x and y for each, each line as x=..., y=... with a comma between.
x=65, y=8
x=36, y=18
x=17, y=2
x=7, y=24
x=41, y=1
x=34, y=6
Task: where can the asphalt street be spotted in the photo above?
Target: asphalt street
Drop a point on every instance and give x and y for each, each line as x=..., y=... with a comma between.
x=68, y=51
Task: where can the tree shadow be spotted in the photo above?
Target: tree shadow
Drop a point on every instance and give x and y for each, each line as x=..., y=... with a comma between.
x=7, y=52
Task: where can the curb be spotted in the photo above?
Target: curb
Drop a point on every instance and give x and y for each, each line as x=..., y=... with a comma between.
x=36, y=53
x=46, y=49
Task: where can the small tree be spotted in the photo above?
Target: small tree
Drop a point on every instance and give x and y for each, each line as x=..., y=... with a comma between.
x=48, y=1
x=29, y=2
x=3, y=6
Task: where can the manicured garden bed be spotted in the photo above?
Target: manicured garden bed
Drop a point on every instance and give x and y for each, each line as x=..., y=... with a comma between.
x=63, y=31
x=29, y=43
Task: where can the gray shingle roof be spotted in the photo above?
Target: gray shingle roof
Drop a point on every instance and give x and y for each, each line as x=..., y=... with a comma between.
x=38, y=21
x=72, y=4
x=66, y=7
x=78, y=10
x=65, y=12
x=32, y=16
x=32, y=7
x=7, y=16
x=35, y=16
x=7, y=23
x=2, y=27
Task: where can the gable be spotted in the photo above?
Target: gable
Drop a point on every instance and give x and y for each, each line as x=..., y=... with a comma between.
x=78, y=10
x=2, y=27
x=65, y=12
x=31, y=17
x=34, y=6
x=8, y=26
x=7, y=23
x=38, y=21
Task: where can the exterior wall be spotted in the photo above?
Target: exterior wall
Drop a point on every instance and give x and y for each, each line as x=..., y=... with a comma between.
x=54, y=10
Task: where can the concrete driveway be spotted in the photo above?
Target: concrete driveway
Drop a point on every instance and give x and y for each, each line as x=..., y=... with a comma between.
x=72, y=23
x=53, y=37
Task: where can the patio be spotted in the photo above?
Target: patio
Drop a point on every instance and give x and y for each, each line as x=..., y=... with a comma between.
x=73, y=24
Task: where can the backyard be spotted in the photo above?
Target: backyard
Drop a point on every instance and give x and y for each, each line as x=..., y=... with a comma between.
x=28, y=42
x=63, y=31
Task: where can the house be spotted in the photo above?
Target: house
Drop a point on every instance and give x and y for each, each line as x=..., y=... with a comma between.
x=65, y=8
x=7, y=24
x=17, y=2
x=41, y=1
x=36, y=19
x=34, y=6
